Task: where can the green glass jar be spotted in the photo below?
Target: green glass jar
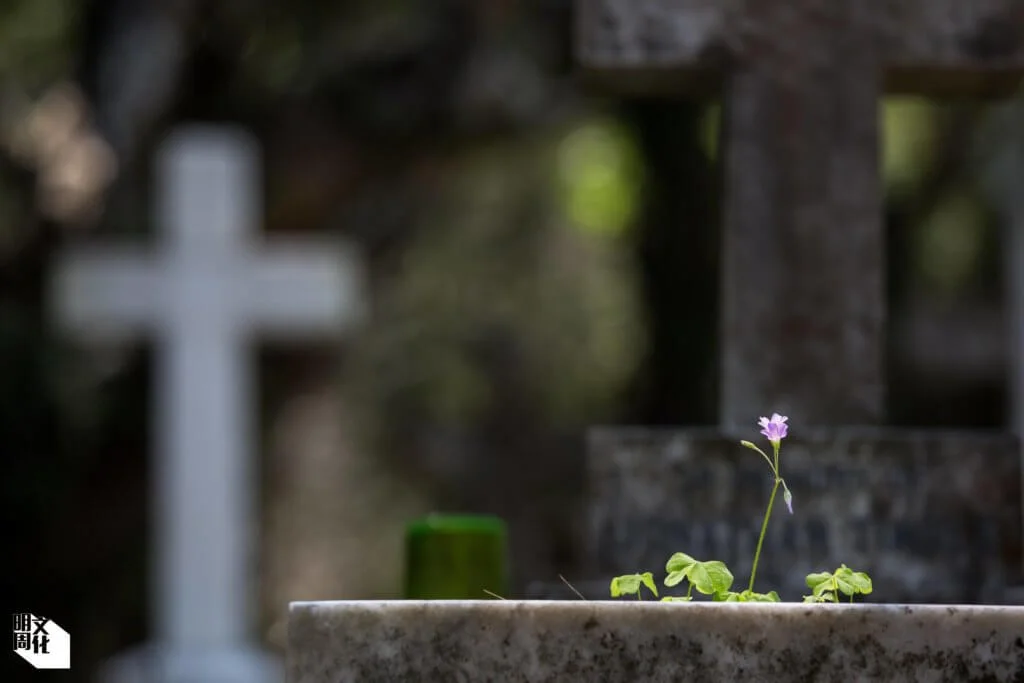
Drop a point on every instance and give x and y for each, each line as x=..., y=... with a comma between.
x=456, y=557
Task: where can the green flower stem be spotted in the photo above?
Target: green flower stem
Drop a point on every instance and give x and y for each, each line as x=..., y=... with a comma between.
x=764, y=529
x=768, y=460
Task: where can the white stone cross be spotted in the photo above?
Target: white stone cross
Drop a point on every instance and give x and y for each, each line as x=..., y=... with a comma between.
x=202, y=294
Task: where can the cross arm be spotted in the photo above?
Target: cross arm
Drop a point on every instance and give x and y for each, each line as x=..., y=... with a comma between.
x=952, y=47
x=104, y=293
x=309, y=288
x=933, y=47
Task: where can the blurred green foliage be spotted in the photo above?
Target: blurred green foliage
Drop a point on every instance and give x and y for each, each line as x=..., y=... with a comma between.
x=601, y=175
x=504, y=284
x=910, y=132
x=35, y=48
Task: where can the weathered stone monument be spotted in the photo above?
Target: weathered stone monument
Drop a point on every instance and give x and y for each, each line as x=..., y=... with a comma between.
x=202, y=295
x=999, y=150
x=931, y=516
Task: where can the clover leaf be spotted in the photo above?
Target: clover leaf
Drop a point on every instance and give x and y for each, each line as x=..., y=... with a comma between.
x=678, y=568
x=770, y=596
x=629, y=584
x=826, y=586
x=707, y=577
x=710, y=577
x=851, y=583
x=746, y=596
x=819, y=582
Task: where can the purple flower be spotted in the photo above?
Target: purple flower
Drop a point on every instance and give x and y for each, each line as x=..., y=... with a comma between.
x=774, y=429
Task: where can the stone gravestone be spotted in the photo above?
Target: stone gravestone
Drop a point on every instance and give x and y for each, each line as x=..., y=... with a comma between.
x=1001, y=170
x=931, y=516
x=201, y=295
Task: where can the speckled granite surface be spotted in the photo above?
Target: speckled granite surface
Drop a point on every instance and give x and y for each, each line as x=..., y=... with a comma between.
x=586, y=642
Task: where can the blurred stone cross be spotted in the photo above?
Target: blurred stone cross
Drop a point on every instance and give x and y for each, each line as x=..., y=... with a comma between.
x=803, y=313
x=202, y=293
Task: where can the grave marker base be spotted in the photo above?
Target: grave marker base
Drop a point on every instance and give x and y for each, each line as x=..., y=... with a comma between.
x=527, y=642
x=932, y=516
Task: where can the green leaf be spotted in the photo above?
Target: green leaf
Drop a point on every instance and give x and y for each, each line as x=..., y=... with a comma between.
x=628, y=584
x=818, y=578
x=679, y=562
x=826, y=586
x=844, y=586
x=851, y=582
x=648, y=580
x=761, y=597
x=678, y=568
x=674, y=578
x=863, y=583
x=746, y=596
x=676, y=598
x=710, y=577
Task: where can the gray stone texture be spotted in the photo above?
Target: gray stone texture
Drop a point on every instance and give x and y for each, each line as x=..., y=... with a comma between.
x=803, y=248
x=929, y=47
x=585, y=642
x=933, y=517
x=803, y=291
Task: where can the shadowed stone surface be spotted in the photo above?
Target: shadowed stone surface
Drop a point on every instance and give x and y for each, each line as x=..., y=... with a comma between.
x=931, y=516
x=541, y=642
x=803, y=253
x=929, y=47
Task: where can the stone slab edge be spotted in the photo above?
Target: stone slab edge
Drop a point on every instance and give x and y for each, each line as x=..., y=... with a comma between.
x=534, y=641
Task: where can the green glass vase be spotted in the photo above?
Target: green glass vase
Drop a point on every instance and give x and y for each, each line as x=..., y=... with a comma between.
x=456, y=557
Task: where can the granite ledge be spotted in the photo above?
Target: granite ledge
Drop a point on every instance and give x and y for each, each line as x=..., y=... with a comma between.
x=616, y=642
